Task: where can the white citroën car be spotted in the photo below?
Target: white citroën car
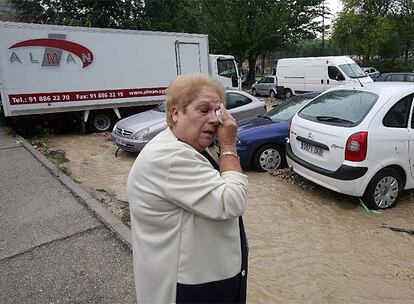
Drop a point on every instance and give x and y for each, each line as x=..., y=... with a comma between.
x=357, y=140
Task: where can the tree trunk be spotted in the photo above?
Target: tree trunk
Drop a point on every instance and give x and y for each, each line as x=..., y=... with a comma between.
x=263, y=65
x=251, y=77
x=407, y=47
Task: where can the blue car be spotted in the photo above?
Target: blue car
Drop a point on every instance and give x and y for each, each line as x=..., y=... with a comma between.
x=261, y=140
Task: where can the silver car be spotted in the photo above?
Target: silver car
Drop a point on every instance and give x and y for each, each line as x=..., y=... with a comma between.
x=371, y=72
x=265, y=86
x=133, y=133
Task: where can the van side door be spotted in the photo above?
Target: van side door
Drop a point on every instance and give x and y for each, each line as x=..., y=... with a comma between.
x=335, y=77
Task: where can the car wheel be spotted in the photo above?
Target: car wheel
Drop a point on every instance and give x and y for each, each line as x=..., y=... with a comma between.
x=254, y=92
x=268, y=158
x=288, y=93
x=272, y=94
x=383, y=190
x=100, y=121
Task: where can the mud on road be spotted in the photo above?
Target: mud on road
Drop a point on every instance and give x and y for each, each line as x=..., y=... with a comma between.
x=307, y=244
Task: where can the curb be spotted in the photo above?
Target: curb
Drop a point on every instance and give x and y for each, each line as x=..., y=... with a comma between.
x=110, y=220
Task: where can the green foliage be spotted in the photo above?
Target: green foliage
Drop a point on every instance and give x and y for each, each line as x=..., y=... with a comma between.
x=167, y=15
x=249, y=28
x=375, y=28
x=110, y=13
x=307, y=48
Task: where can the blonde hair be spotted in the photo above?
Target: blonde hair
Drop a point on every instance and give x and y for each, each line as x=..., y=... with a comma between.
x=185, y=88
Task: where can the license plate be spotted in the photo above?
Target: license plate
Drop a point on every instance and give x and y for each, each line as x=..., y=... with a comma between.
x=311, y=148
x=120, y=142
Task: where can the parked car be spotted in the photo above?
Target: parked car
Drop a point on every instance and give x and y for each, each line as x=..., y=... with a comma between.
x=357, y=141
x=403, y=76
x=261, y=140
x=265, y=86
x=133, y=133
x=371, y=72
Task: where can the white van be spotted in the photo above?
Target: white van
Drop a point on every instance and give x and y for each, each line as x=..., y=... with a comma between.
x=300, y=75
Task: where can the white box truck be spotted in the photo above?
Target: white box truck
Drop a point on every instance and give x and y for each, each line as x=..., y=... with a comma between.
x=95, y=72
x=307, y=74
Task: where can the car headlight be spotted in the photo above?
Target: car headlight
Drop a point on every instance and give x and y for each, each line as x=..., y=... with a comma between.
x=114, y=128
x=141, y=134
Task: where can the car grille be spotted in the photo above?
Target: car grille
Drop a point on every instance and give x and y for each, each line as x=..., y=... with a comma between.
x=124, y=132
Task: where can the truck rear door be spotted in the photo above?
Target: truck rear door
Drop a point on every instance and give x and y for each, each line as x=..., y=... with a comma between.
x=188, y=57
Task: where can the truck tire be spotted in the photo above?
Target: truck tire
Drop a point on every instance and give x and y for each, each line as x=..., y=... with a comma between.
x=272, y=94
x=269, y=158
x=254, y=92
x=287, y=93
x=383, y=189
x=101, y=121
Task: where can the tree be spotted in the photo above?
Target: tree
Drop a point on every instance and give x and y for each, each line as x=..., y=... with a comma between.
x=375, y=28
x=405, y=19
x=250, y=28
x=111, y=13
x=167, y=15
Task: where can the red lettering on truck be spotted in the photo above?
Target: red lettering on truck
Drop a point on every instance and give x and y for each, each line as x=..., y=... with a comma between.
x=79, y=50
x=53, y=97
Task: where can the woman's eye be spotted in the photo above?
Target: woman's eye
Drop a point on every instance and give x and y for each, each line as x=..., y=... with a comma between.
x=204, y=111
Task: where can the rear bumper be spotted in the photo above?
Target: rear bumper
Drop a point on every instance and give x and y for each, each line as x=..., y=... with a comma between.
x=344, y=172
x=347, y=179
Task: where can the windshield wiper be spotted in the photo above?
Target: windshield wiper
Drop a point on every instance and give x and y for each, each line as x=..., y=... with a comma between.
x=333, y=119
x=266, y=117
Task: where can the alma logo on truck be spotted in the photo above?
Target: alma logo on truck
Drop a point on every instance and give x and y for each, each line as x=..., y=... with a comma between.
x=54, y=45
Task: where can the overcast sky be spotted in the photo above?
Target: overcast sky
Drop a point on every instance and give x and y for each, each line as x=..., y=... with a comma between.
x=334, y=5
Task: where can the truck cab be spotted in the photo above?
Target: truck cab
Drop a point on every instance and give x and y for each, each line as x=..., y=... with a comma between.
x=224, y=69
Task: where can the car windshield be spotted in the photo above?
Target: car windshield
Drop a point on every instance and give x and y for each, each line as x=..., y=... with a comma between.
x=287, y=109
x=341, y=108
x=352, y=70
x=160, y=107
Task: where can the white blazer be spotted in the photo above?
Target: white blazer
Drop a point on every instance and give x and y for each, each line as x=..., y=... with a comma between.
x=184, y=217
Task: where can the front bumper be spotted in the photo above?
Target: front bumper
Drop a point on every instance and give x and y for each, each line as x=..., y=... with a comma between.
x=128, y=144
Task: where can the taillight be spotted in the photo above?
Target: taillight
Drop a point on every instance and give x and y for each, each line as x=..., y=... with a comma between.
x=356, y=147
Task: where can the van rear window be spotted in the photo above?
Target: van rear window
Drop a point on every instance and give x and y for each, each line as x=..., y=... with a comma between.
x=340, y=108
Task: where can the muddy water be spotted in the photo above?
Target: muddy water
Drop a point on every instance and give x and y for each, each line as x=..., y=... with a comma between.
x=306, y=246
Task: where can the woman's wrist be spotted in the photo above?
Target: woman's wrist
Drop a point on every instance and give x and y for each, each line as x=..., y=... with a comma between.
x=228, y=147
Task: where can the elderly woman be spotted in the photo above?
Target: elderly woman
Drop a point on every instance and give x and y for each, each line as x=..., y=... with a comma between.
x=188, y=238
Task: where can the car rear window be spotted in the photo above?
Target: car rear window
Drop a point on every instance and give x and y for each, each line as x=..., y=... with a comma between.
x=340, y=108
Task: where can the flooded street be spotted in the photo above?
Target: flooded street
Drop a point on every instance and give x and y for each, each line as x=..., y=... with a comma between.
x=307, y=244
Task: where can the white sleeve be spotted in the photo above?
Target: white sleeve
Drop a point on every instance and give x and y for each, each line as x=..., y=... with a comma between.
x=193, y=184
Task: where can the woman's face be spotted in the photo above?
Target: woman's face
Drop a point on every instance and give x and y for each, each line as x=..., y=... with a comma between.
x=198, y=125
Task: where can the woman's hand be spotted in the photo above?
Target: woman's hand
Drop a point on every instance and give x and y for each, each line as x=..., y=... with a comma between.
x=227, y=131
x=226, y=135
